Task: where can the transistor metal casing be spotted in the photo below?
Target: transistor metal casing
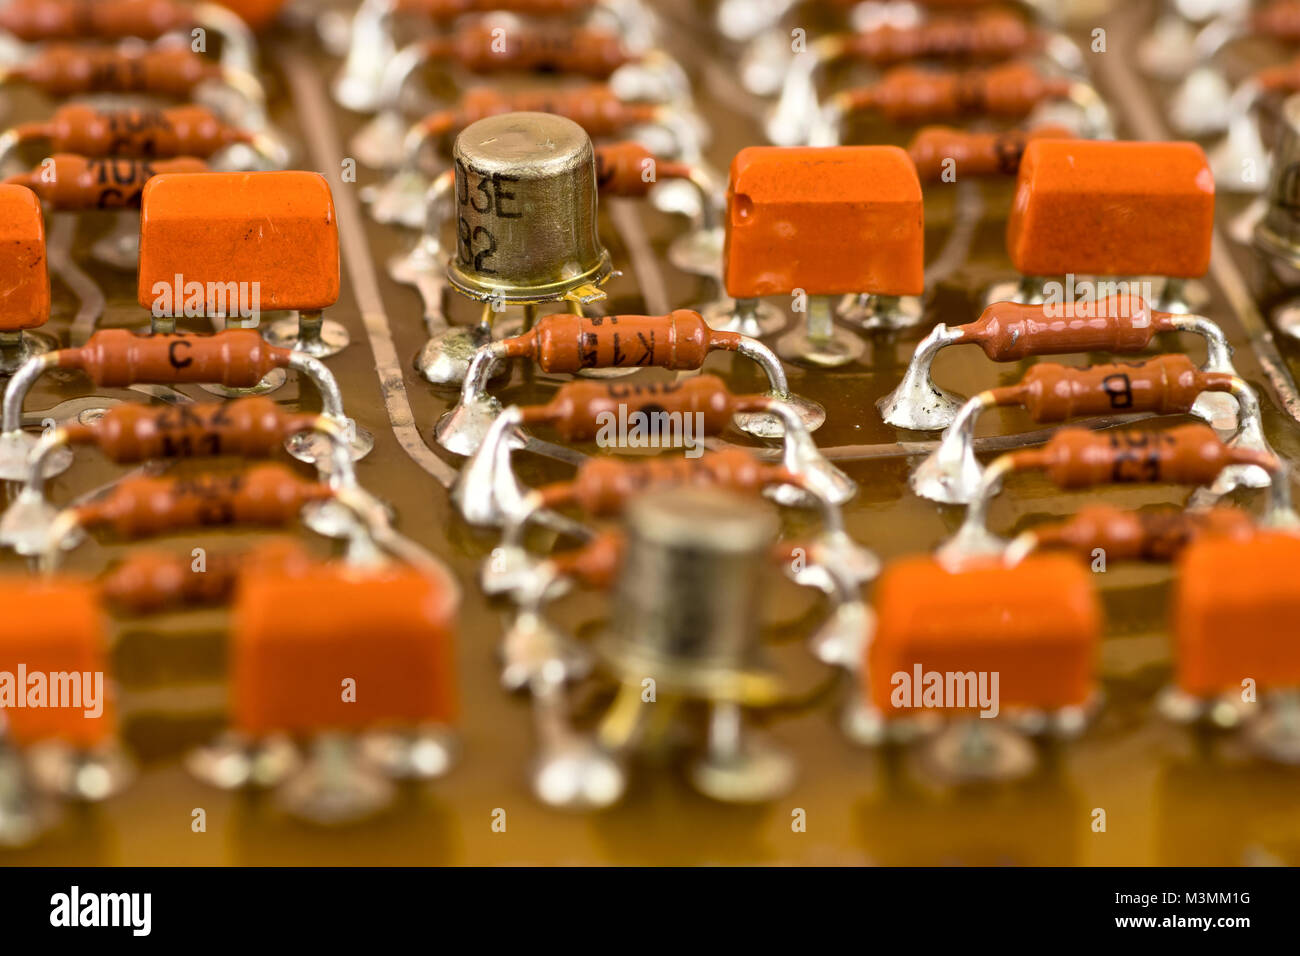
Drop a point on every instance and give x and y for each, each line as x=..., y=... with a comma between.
x=1234, y=614
x=272, y=232
x=299, y=634
x=688, y=598
x=525, y=201
x=1036, y=624
x=1277, y=235
x=24, y=276
x=1112, y=209
x=827, y=220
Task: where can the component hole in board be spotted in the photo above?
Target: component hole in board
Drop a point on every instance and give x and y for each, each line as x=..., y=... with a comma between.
x=742, y=206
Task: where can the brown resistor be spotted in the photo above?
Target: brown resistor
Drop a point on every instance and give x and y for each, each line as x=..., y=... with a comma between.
x=252, y=427
x=577, y=408
x=974, y=153
x=64, y=70
x=146, y=582
x=134, y=132
x=987, y=35
x=1165, y=385
x=34, y=21
x=602, y=486
x=1151, y=535
x=68, y=182
x=442, y=11
x=1279, y=20
x=629, y=170
x=239, y=358
x=597, y=109
x=1187, y=455
x=544, y=48
x=564, y=342
x=937, y=4
x=1009, y=331
x=596, y=564
x=265, y=495
x=1281, y=79
x=909, y=95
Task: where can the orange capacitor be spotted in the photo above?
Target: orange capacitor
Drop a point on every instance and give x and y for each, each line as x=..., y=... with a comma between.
x=1235, y=607
x=40, y=20
x=974, y=153
x=297, y=638
x=629, y=169
x=1186, y=455
x=239, y=358
x=134, y=132
x=828, y=220
x=578, y=409
x=61, y=631
x=252, y=427
x=166, y=71
x=266, y=495
x=1112, y=208
x=24, y=276
x=1166, y=385
x=1149, y=535
x=274, y=232
x=69, y=182
x=1036, y=625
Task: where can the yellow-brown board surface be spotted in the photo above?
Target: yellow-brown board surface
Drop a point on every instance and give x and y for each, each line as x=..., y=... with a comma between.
x=1169, y=797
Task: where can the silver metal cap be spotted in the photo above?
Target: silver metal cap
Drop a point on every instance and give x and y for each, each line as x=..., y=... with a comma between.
x=1278, y=233
x=525, y=201
x=688, y=600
